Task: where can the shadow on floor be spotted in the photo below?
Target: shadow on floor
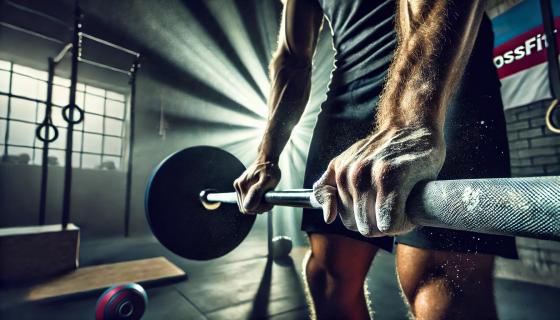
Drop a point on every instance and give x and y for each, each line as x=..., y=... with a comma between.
x=247, y=285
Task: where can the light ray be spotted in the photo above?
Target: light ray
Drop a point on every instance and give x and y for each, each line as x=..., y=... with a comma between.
x=235, y=28
x=174, y=32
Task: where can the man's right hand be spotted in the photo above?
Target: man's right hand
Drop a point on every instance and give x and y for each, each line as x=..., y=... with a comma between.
x=251, y=186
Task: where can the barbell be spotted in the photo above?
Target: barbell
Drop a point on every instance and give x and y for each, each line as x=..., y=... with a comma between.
x=189, y=213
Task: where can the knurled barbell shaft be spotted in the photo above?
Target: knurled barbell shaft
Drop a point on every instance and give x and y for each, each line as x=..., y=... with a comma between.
x=509, y=206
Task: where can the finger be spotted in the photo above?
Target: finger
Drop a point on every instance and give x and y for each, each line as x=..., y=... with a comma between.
x=364, y=213
x=325, y=193
x=242, y=194
x=238, y=194
x=254, y=197
x=393, y=187
x=328, y=177
x=361, y=191
x=348, y=220
x=329, y=202
x=346, y=201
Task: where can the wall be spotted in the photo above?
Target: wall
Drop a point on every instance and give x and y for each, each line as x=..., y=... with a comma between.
x=97, y=198
x=170, y=35
x=534, y=151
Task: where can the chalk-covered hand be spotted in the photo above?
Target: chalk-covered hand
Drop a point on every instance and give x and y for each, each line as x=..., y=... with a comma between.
x=251, y=186
x=369, y=183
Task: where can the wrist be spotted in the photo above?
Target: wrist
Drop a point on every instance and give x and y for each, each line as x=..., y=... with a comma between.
x=263, y=157
x=418, y=116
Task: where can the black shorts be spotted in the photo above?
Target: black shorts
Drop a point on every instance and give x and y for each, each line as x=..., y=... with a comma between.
x=477, y=147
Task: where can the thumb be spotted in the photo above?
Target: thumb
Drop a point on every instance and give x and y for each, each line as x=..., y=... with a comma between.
x=325, y=193
x=254, y=196
x=329, y=203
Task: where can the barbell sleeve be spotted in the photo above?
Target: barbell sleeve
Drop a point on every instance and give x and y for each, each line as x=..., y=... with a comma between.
x=508, y=206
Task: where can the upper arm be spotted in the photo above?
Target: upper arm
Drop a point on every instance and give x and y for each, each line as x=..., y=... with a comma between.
x=299, y=30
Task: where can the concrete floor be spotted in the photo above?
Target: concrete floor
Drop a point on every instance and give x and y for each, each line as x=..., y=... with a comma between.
x=245, y=285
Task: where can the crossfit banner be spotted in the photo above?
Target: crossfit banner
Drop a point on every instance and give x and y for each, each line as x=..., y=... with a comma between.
x=520, y=53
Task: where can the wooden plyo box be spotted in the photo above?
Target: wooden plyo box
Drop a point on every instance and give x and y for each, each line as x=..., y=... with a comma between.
x=93, y=278
x=31, y=253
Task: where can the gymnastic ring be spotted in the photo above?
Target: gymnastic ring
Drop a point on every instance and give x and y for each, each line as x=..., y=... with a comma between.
x=76, y=108
x=548, y=118
x=48, y=126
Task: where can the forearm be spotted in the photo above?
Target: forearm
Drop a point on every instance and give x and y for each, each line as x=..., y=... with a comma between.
x=435, y=40
x=289, y=93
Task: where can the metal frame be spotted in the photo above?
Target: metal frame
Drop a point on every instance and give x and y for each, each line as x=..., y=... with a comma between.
x=8, y=112
x=128, y=193
x=76, y=50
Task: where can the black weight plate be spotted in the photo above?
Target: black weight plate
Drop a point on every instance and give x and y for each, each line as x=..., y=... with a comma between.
x=175, y=213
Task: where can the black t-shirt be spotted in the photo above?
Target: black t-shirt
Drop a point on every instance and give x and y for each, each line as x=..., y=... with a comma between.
x=364, y=39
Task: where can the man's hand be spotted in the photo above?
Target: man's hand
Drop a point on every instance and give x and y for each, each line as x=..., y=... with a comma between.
x=259, y=178
x=369, y=183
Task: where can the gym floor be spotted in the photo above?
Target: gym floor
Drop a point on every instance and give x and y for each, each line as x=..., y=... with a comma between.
x=244, y=285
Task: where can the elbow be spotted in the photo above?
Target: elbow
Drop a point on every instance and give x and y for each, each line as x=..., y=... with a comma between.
x=285, y=59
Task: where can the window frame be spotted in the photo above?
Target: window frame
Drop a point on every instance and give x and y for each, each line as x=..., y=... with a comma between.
x=83, y=90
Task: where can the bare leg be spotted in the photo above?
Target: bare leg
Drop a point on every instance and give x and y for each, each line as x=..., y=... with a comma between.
x=335, y=274
x=446, y=285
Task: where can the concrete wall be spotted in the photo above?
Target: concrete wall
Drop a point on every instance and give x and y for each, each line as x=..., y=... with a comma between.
x=97, y=198
x=166, y=79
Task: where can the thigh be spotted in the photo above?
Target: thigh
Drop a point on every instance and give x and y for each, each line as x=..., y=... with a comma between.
x=342, y=257
x=466, y=278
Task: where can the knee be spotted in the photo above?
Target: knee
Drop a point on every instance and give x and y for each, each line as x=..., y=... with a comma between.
x=432, y=299
x=315, y=274
x=332, y=276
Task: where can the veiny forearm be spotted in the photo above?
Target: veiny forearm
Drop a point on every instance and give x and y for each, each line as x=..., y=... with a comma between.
x=435, y=40
x=289, y=93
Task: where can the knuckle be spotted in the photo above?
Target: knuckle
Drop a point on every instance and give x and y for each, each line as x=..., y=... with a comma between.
x=332, y=166
x=384, y=170
x=360, y=174
x=236, y=185
x=341, y=176
x=355, y=173
x=382, y=165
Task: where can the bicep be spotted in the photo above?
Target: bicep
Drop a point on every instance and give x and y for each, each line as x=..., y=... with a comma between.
x=299, y=30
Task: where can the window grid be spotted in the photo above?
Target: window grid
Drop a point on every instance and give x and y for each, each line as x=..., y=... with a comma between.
x=84, y=92
x=61, y=149
x=8, y=111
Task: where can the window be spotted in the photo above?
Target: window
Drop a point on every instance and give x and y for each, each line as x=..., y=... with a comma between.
x=97, y=141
